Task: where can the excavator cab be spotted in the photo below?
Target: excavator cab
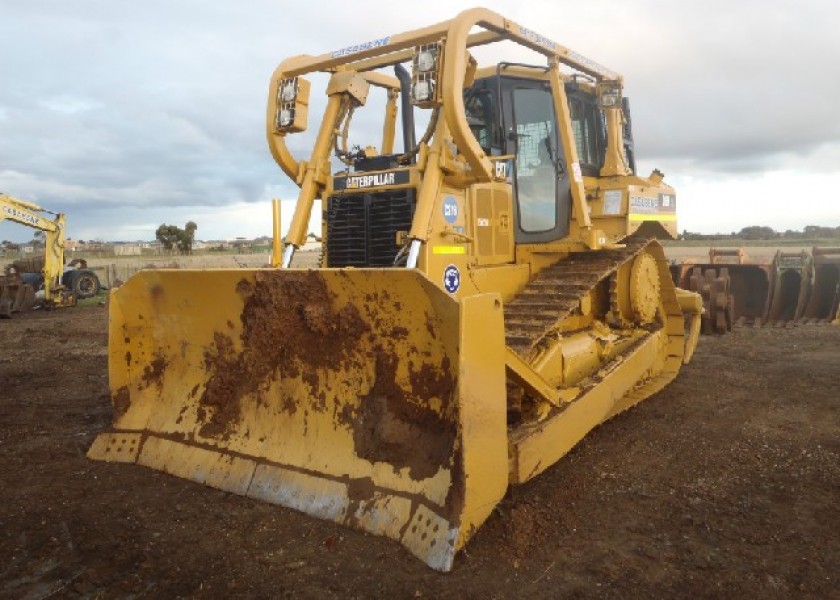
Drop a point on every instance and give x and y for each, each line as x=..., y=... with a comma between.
x=486, y=296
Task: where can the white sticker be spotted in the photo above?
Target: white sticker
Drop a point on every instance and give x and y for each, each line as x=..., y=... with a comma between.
x=501, y=169
x=612, y=202
x=537, y=38
x=642, y=205
x=361, y=47
x=576, y=172
x=450, y=209
x=482, y=222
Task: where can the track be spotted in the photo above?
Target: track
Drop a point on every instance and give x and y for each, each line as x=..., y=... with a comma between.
x=557, y=291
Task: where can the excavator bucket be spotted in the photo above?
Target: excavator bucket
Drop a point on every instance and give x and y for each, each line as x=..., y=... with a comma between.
x=15, y=295
x=732, y=286
x=793, y=274
x=364, y=396
x=824, y=302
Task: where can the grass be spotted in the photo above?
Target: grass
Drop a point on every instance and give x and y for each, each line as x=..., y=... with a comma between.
x=102, y=296
x=737, y=243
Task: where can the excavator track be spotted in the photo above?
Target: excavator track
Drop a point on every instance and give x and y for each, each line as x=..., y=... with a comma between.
x=557, y=291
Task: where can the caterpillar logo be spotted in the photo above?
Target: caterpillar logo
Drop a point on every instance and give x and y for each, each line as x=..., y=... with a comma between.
x=365, y=181
x=360, y=182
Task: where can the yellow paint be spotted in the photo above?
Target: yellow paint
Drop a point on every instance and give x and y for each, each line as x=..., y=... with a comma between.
x=646, y=217
x=26, y=213
x=449, y=250
x=372, y=397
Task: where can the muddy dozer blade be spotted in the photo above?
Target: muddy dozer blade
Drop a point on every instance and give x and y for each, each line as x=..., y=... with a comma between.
x=367, y=397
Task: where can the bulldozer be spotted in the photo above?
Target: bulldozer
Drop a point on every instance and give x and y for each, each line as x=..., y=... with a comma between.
x=487, y=295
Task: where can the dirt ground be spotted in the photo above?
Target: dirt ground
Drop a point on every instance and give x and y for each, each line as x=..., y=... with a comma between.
x=726, y=484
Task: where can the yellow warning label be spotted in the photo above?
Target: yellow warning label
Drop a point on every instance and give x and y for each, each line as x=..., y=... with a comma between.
x=449, y=250
x=647, y=217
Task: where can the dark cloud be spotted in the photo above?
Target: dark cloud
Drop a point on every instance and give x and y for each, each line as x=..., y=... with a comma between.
x=113, y=111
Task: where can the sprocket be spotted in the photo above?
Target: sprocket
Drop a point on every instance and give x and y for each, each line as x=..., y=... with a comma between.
x=635, y=291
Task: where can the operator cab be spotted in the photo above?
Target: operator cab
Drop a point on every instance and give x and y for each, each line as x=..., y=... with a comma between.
x=514, y=115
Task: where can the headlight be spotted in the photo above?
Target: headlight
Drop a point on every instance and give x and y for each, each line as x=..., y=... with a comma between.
x=609, y=94
x=422, y=91
x=426, y=61
x=292, y=105
x=425, y=74
x=288, y=90
x=285, y=117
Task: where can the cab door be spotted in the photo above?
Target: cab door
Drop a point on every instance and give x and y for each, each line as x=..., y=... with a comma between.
x=542, y=190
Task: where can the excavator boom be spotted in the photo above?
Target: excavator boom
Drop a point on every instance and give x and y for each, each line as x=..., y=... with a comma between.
x=14, y=295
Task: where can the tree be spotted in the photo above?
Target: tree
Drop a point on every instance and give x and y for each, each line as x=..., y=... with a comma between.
x=757, y=232
x=172, y=236
x=167, y=235
x=187, y=237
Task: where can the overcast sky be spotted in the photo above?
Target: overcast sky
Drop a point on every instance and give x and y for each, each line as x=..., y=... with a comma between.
x=126, y=115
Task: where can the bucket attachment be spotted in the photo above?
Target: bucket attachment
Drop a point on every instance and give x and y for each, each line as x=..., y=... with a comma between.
x=734, y=289
x=15, y=295
x=793, y=274
x=825, y=295
x=367, y=397
x=824, y=301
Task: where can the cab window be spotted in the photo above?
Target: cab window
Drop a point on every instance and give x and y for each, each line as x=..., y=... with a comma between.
x=588, y=128
x=536, y=156
x=481, y=113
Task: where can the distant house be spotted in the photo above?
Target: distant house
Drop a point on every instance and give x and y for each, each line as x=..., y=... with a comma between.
x=241, y=243
x=121, y=249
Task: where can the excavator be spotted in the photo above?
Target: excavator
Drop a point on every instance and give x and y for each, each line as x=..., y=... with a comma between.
x=487, y=295
x=21, y=281
x=16, y=293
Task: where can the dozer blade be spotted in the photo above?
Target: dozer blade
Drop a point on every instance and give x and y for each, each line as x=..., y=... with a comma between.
x=367, y=397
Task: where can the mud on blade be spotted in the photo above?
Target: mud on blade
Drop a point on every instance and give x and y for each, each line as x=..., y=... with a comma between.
x=340, y=393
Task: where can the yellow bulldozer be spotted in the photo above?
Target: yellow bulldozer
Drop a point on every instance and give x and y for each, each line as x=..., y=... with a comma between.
x=487, y=296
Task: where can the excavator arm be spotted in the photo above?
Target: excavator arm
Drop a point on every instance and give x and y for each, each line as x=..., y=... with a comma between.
x=28, y=214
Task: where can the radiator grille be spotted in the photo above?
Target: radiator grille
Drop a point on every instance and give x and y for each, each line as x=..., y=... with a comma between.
x=362, y=228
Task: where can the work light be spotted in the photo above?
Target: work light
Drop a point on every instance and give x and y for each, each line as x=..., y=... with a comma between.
x=285, y=117
x=292, y=104
x=422, y=91
x=426, y=61
x=425, y=74
x=288, y=90
x=609, y=94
